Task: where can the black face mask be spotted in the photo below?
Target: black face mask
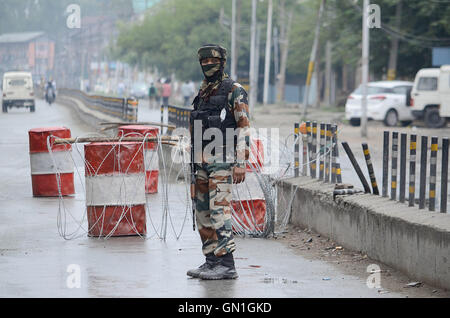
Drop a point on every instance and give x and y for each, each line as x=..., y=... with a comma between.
x=212, y=71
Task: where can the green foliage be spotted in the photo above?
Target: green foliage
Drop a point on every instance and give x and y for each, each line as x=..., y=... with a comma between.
x=422, y=22
x=173, y=30
x=301, y=38
x=170, y=35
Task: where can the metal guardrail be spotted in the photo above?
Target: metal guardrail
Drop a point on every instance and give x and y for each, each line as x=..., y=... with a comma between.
x=176, y=115
x=123, y=108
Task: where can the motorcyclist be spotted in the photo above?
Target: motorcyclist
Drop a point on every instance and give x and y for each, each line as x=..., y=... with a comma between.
x=49, y=92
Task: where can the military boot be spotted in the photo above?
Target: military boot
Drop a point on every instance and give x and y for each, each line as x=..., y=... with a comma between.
x=222, y=270
x=211, y=260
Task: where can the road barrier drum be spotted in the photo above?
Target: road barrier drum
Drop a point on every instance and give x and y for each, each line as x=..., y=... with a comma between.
x=51, y=173
x=115, y=189
x=251, y=214
x=150, y=153
x=256, y=156
x=249, y=206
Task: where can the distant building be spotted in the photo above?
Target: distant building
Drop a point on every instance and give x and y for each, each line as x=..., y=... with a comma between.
x=27, y=51
x=82, y=52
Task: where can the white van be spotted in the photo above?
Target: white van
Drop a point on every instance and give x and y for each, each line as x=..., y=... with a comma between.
x=17, y=91
x=430, y=96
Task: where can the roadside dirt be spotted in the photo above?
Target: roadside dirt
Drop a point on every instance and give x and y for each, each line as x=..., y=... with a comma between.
x=314, y=246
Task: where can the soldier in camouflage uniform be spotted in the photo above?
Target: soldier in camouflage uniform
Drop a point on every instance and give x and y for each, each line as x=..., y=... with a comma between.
x=221, y=103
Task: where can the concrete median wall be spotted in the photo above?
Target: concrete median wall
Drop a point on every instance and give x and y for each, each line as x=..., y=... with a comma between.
x=416, y=242
x=87, y=115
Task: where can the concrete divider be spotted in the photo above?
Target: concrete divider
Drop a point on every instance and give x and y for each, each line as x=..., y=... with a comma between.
x=89, y=116
x=414, y=241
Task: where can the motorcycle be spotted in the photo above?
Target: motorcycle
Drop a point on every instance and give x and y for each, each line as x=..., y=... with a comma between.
x=50, y=95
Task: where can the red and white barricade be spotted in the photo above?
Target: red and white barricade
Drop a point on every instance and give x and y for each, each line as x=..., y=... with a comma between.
x=150, y=153
x=256, y=156
x=115, y=189
x=251, y=215
x=249, y=206
x=51, y=174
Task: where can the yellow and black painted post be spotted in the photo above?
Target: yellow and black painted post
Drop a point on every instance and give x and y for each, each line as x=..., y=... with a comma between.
x=373, y=179
x=403, y=141
x=444, y=175
x=433, y=164
x=412, y=169
x=322, y=151
x=385, y=164
x=394, y=165
x=423, y=171
x=327, y=153
x=296, y=149
x=308, y=133
x=338, y=165
x=314, y=150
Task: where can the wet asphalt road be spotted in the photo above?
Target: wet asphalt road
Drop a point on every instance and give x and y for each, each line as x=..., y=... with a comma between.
x=35, y=261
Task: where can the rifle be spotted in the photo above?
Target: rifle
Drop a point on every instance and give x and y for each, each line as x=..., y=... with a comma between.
x=193, y=185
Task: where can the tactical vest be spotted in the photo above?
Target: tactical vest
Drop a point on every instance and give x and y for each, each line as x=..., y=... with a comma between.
x=210, y=111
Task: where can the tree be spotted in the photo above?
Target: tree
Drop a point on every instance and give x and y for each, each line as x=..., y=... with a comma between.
x=170, y=35
x=173, y=30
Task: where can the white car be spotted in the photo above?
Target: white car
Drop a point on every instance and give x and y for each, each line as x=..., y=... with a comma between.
x=386, y=101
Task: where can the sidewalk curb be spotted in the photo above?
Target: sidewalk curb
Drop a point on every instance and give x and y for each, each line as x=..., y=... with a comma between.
x=413, y=241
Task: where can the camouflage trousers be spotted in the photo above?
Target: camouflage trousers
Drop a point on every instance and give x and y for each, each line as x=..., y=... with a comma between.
x=213, y=212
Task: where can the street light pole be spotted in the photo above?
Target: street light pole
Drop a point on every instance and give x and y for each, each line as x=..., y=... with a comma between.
x=233, y=41
x=268, y=50
x=365, y=67
x=252, y=80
